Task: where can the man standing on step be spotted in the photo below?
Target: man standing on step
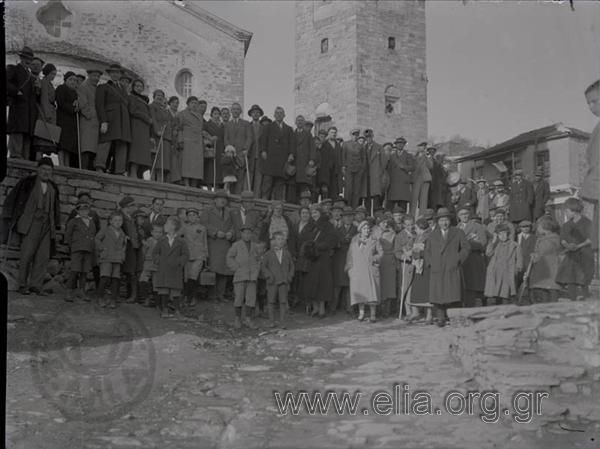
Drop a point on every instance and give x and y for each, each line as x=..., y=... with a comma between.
x=32, y=210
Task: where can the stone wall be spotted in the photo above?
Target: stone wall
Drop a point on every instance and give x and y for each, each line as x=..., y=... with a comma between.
x=154, y=39
x=547, y=347
x=352, y=77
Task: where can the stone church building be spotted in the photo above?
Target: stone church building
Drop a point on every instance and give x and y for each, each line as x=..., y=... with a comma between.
x=172, y=45
x=362, y=64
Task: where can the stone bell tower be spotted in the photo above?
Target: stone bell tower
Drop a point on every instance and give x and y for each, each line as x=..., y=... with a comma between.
x=362, y=64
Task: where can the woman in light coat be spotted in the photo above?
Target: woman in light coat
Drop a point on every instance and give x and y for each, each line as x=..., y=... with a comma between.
x=505, y=263
x=190, y=139
x=362, y=265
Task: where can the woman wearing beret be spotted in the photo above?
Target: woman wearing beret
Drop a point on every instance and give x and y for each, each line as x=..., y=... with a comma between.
x=141, y=121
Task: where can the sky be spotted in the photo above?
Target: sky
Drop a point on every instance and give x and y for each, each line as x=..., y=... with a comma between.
x=495, y=69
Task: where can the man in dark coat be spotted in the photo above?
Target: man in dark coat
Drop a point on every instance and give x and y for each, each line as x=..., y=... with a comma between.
x=238, y=133
x=131, y=265
x=115, y=128
x=305, y=153
x=445, y=250
x=32, y=209
x=373, y=186
x=22, y=90
x=541, y=194
x=467, y=198
x=276, y=149
x=400, y=167
x=438, y=193
x=328, y=161
x=254, y=152
x=521, y=198
x=354, y=162
x=246, y=215
x=156, y=216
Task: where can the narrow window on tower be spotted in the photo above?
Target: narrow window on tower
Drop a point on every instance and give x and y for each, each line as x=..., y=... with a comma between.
x=392, y=43
x=324, y=45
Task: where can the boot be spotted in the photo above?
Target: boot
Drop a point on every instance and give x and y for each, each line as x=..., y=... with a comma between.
x=271, y=309
x=114, y=290
x=104, y=282
x=177, y=304
x=373, y=310
x=162, y=306
x=238, y=318
x=282, y=314
x=193, y=293
x=248, y=321
x=134, y=290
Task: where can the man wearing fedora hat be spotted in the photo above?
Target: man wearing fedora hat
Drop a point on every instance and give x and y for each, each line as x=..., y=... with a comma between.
x=22, y=89
x=373, y=184
x=305, y=150
x=541, y=194
x=399, y=169
x=354, y=161
x=521, y=198
x=89, y=126
x=445, y=251
x=255, y=112
x=421, y=180
x=113, y=114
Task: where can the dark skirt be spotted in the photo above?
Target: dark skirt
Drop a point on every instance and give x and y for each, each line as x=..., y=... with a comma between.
x=319, y=280
x=577, y=267
x=340, y=276
x=473, y=271
x=420, y=288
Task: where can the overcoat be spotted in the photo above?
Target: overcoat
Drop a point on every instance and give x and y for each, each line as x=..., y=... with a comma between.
x=112, y=107
x=467, y=198
x=194, y=236
x=344, y=237
x=541, y=195
x=110, y=246
x=189, y=135
x=89, y=126
x=48, y=101
x=387, y=266
x=328, y=162
x=438, y=192
x=93, y=215
x=176, y=157
x=319, y=280
x=527, y=246
x=161, y=119
x=362, y=265
x=444, y=258
x=419, y=294
x=21, y=96
x=170, y=261
x=79, y=236
x=244, y=263
x=483, y=204
x=400, y=167
x=521, y=201
x=132, y=263
x=473, y=268
x=210, y=175
x=576, y=267
x=505, y=263
x=304, y=151
x=377, y=161
x=277, y=273
x=66, y=118
x=218, y=220
x=305, y=235
x=252, y=218
x=277, y=142
x=141, y=122
x=543, y=271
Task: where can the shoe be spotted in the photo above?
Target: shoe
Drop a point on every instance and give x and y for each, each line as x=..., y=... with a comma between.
x=361, y=316
x=24, y=291
x=440, y=323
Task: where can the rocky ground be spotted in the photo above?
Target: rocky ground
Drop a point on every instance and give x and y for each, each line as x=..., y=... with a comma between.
x=84, y=377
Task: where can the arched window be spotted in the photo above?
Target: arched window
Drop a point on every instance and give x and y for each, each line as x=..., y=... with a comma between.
x=324, y=45
x=392, y=43
x=184, y=83
x=392, y=101
x=55, y=18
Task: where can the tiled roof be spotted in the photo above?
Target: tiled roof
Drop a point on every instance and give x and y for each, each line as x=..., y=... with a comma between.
x=555, y=131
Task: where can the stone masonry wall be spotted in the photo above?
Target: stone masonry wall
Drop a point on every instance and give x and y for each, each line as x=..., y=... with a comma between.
x=152, y=38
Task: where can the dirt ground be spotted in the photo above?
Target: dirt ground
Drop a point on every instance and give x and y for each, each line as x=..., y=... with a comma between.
x=83, y=377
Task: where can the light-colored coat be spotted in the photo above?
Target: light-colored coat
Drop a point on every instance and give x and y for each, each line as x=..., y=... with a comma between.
x=110, y=246
x=544, y=269
x=189, y=135
x=444, y=258
x=244, y=264
x=194, y=235
x=89, y=125
x=362, y=265
x=505, y=263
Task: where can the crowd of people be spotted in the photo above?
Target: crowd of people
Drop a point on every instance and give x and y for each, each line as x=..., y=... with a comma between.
x=325, y=256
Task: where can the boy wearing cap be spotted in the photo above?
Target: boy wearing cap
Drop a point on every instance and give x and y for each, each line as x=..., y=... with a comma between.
x=243, y=259
x=278, y=269
x=499, y=217
x=195, y=236
x=505, y=261
x=79, y=238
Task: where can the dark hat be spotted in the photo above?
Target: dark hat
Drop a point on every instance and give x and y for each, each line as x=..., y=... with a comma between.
x=68, y=75
x=337, y=206
x=126, y=76
x=276, y=203
x=139, y=212
x=326, y=201
x=347, y=211
x=387, y=143
x=79, y=75
x=361, y=209
x=340, y=199
x=361, y=137
x=498, y=183
x=442, y=212
x=518, y=171
x=192, y=210
x=39, y=59
x=126, y=201
x=26, y=52
x=247, y=195
x=422, y=144
x=422, y=223
x=502, y=227
x=308, y=124
x=355, y=131
x=525, y=224
x=255, y=107
x=539, y=172
x=480, y=180
x=368, y=132
x=428, y=214
x=322, y=132
x=379, y=209
x=245, y=227
x=82, y=205
x=45, y=161
x=265, y=119
x=221, y=194
x=92, y=70
x=114, y=68
x=477, y=218
x=400, y=139
x=397, y=210
x=306, y=194
x=431, y=149
x=460, y=209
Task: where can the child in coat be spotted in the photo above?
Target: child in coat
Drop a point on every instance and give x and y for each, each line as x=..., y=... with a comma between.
x=576, y=269
x=526, y=240
x=505, y=262
x=195, y=237
x=261, y=282
x=149, y=268
x=110, y=244
x=229, y=167
x=278, y=269
x=170, y=256
x=545, y=260
x=243, y=260
x=79, y=237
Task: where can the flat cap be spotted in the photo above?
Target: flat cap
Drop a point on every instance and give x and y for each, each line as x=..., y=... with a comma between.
x=126, y=201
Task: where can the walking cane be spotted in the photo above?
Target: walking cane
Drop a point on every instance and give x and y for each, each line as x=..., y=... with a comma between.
x=402, y=284
x=158, y=150
x=247, y=173
x=78, y=141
